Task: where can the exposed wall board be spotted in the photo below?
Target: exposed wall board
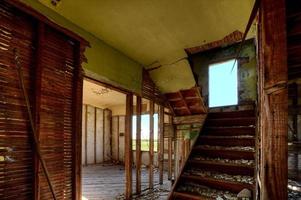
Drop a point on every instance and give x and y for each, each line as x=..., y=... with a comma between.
x=84, y=135
x=115, y=138
x=121, y=138
x=90, y=134
x=107, y=134
x=96, y=137
x=99, y=135
x=246, y=69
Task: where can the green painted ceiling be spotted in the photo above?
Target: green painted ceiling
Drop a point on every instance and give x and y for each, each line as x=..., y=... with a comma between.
x=157, y=31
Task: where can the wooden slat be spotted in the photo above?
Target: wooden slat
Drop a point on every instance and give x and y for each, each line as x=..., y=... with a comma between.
x=128, y=146
x=161, y=143
x=138, y=145
x=151, y=145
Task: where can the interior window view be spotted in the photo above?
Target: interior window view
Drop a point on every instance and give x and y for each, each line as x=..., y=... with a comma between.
x=150, y=100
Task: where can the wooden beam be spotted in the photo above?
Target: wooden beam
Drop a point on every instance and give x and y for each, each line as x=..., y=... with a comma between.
x=161, y=143
x=170, y=152
x=118, y=138
x=77, y=126
x=37, y=103
x=86, y=134
x=151, y=144
x=95, y=120
x=138, y=145
x=128, y=146
x=185, y=103
x=273, y=99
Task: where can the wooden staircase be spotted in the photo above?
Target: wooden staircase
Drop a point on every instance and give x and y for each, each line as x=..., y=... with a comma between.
x=222, y=161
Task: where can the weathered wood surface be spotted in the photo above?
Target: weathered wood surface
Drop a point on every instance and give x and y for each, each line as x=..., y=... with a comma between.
x=128, y=146
x=273, y=99
x=151, y=145
x=138, y=145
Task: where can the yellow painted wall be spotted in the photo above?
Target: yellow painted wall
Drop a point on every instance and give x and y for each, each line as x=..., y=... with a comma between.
x=104, y=62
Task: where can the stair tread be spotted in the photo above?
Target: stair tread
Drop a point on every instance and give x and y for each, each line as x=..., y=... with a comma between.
x=227, y=137
x=219, y=184
x=191, y=196
x=243, y=179
x=232, y=148
x=203, y=191
x=221, y=163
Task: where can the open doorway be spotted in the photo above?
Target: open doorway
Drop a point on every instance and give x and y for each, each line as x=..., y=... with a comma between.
x=103, y=129
x=223, y=89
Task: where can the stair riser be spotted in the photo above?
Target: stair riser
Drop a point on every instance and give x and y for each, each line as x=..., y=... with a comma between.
x=238, y=114
x=227, y=142
x=230, y=122
x=229, y=131
x=228, y=169
x=235, y=155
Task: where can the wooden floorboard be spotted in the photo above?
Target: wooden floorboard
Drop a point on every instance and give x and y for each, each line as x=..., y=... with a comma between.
x=107, y=182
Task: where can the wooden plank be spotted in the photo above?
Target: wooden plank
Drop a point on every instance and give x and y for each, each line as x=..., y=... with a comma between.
x=76, y=125
x=184, y=101
x=95, y=122
x=118, y=139
x=273, y=99
x=161, y=143
x=151, y=145
x=86, y=135
x=138, y=144
x=128, y=146
x=189, y=119
x=37, y=104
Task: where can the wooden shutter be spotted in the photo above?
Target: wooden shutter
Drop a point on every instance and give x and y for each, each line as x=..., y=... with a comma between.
x=150, y=90
x=16, y=155
x=51, y=63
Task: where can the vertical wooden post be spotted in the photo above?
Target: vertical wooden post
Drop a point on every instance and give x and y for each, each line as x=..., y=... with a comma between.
x=138, y=145
x=273, y=99
x=95, y=120
x=103, y=135
x=128, y=146
x=86, y=135
x=161, y=143
x=151, y=144
x=170, y=151
x=37, y=103
x=77, y=126
x=118, y=139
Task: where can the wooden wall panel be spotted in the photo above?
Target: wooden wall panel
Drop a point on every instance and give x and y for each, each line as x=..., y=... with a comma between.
x=84, y=135
x=115, y=139
x=99, y=136
x=121, y=138
x=107, y=134
x=90, y=134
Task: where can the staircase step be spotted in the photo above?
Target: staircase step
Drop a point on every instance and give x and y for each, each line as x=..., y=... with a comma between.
x=204, y=191
x=190, y=196
x=226, y=122
x=227, y=140
x=228, y=168
x=231, y=114
x=231, y=186
x=224, y=153
x=229, y=131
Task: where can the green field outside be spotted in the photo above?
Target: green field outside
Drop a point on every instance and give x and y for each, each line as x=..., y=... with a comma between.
x=145, y=145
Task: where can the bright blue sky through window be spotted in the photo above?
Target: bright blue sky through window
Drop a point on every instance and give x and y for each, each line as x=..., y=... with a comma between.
x=145, y=127
x=223, y=84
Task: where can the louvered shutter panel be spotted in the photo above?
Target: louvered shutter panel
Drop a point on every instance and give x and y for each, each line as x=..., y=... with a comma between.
x=58, y=65
x=52, y=76
x=16, y=166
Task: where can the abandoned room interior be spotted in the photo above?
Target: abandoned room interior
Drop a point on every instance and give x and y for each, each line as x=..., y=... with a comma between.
x=178, y=100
